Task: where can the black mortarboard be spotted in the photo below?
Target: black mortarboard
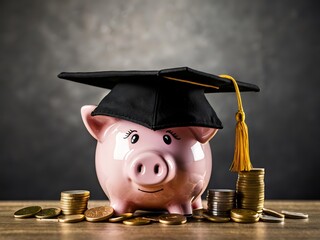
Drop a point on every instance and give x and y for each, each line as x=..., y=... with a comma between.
x=159, y=99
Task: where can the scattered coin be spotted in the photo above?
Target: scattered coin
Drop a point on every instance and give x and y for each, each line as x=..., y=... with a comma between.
x=273, y=213
x=27, y=212
x=172, y=219
x=216, y=219
x=98, y=214
x=48, y=219
x=152, y=219
x=48, y=213
x=294, y=215
x=121, y=218
x=267, y=218
x=136, y=221
x=71, y=218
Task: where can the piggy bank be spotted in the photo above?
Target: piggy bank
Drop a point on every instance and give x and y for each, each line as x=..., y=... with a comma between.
x=152, y=131
x=140, y=168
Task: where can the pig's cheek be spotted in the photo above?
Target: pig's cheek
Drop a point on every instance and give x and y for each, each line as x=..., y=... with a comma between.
x=190, y=156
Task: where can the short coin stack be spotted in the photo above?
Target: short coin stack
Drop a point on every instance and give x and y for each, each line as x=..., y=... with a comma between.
x=74, y=201
x=250, y=189
x=244, y=216
x=220, y=202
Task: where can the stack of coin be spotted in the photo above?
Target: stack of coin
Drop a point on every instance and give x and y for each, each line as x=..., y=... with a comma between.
x=74, y=201
x=220, y=202
x=250, y=190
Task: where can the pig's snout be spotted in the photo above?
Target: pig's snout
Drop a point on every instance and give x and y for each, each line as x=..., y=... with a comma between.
x=149, y=169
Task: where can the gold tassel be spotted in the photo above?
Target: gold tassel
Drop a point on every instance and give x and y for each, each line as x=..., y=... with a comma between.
x=241, y=158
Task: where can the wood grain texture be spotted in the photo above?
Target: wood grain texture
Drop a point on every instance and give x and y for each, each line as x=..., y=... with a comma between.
x=11, y=228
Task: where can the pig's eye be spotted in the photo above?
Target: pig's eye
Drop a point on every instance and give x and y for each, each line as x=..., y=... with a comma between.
x=134, y=138
x=167, y=139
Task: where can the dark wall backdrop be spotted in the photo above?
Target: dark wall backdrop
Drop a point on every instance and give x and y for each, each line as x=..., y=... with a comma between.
x=275, y=44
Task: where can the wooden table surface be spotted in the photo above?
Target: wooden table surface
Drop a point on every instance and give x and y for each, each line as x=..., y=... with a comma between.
x=12, y=228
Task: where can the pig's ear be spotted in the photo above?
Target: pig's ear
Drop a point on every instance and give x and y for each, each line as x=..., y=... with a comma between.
x=203, y=134
x=96, y=125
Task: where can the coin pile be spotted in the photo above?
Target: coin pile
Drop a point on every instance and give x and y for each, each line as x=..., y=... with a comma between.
x=250, y=189
x=220, y=202
x=74, y=201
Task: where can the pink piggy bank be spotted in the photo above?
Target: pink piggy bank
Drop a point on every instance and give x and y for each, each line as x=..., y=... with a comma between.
x=153, y=129
x=139, y=168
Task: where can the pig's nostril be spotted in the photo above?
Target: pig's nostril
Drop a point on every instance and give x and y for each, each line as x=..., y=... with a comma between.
x=140, y=168
x=156, y=169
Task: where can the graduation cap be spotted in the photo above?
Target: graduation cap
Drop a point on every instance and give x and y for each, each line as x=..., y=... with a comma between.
x=167, y=98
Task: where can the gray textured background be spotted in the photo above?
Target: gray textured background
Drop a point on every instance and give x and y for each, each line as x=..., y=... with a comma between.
x=275, y=44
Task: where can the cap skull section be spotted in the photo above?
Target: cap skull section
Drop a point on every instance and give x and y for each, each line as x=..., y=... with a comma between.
x=159, y=99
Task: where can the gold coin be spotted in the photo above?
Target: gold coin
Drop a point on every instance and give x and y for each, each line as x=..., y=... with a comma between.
x=27, y=212
x=294, y=215
x=273, y=213
x=244, y=214
x=267, y=218
x=198, y=214
x=74, y=200
x=73, y=206
x=75, y=193
x=250, y=175
x=216, y=219
x=136, y=221
x=253, y=171
x=250, y=186
x=71, y=218
x=241, y=220
x=98, y=213
x=121, y=218
x=172, y=219
x=48, y=219
x=224, y=192
x=48, y=213
x=68, y=212
x=66, y=204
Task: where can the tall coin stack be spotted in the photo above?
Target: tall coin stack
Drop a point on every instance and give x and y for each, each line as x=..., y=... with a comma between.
x=250, y=189
x=220, y=202
x=74, y=201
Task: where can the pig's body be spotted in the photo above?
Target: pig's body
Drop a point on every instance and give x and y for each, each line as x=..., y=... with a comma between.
x=139, y=168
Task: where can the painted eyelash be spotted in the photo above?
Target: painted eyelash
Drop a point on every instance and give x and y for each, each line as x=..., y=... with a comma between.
x=173, y=134
x=129, y=133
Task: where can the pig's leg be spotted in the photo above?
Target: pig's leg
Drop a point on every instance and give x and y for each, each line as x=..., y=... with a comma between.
x=181, y=208
x=197, y=204
x=121, y=207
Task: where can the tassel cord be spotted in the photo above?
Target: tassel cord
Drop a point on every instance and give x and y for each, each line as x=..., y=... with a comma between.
x=241, y=159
